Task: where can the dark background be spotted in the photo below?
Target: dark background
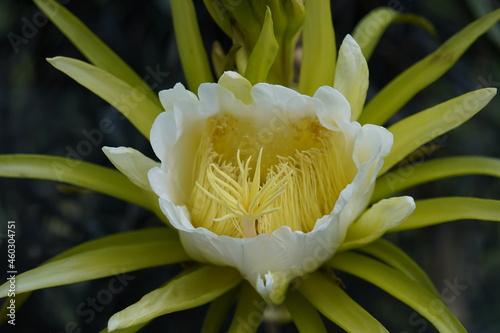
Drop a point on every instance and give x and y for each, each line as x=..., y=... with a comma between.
x=44, y=112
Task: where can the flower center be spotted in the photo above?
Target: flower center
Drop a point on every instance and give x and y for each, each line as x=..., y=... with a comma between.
x=245, y=199
x=295, y=179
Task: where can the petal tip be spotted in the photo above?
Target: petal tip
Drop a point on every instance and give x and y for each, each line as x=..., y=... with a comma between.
x=113, y=323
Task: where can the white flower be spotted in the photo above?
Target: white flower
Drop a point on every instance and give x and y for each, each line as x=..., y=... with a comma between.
x=267, y=180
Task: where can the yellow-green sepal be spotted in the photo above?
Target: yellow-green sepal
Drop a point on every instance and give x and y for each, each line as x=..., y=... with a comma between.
x=288, y=19
x=246, y=21
x=393, y=256
x=370, y=28
x=481, y=8
x=194, y=59
x=220, y=14
x=131, y=101
x=305, y=317
x=418, y=129
x=108, y=256
x=195, y=287
x=216, y=314
x=75, y=172
x=400, y=286
x=447, y=209
x=400, y=90
x=319, y=48
x=92, y=47
x=411, y=175
x=249, y=311
x=263, y=54
x=131, y=329
x=96, y=244
x=333, y=302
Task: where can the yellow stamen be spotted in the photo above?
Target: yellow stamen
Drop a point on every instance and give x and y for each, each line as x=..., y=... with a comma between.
x=295, y=179
x=244, y=199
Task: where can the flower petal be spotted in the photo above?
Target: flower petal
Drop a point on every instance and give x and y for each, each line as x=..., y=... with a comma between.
x=175, y=135
x=375, y=221
x=351, y=75
x=170, y=97
x=238, y=85
x=215, y=98
x=132, y=164
x=335, y=108
x=371, y=146
x=272, y=94
x=268, y=262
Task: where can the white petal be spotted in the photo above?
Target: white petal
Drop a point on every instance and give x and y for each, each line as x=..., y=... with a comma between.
x=163, y=134
x=215, y=98
x=132, y=164
x=160, y=185
x=177, y=215
x=238, y=85
x=372, y=144
x=179, y=104
x=301, y=106
x=351, y=75
x=169, y=97
x=281, y=256
x=268, y=261
x=382, y=216
x=175, y=137
x=375, y=141
x=264, y=93
x=335, y=107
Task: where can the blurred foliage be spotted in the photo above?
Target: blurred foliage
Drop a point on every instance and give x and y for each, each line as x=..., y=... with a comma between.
x=43, y=111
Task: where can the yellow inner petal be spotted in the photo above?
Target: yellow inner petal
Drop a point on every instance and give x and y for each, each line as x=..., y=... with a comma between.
x=290, y=181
